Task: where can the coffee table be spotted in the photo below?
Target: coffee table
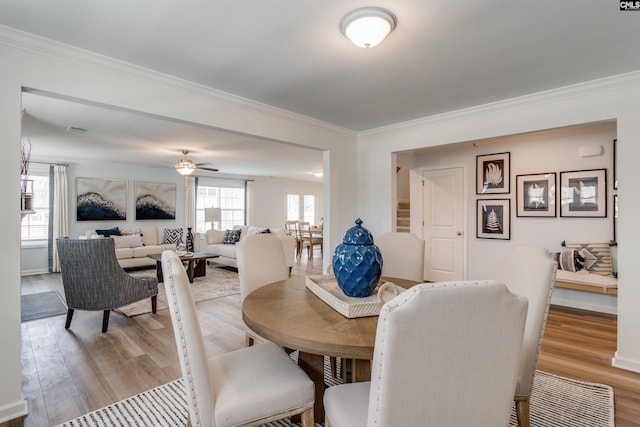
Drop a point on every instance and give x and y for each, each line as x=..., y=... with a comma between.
x=196, y=264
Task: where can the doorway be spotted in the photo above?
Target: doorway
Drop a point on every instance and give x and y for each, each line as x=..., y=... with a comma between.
x=444, y=224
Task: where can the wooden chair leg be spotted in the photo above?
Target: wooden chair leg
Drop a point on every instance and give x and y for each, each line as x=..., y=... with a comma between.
x=307, y=418
x=154, y=304
x=105, y=320
x=523, y=412
x=69, y=317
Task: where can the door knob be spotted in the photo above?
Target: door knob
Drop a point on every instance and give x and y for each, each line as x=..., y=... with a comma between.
x=459, y=233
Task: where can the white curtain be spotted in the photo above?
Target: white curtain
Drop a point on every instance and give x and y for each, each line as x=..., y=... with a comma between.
x=190, y=201
x=60, y=213
x=250, y=203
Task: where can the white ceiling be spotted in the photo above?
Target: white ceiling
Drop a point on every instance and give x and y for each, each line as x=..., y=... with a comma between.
x=443, y=55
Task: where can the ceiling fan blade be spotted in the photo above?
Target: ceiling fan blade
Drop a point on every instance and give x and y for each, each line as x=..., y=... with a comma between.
x=202, y=164
x=207, y=169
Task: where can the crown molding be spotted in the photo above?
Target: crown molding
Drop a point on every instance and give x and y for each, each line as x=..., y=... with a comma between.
x=575, y=90
x=38, y=45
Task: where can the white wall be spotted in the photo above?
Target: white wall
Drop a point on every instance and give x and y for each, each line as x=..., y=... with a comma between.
x=48, y=66
x=616, y=98
x=550, y=151
x=270, y=202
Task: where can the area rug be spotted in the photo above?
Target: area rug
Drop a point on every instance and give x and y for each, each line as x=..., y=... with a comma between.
x=555, y=402
x=40, y=305
x=217, y=283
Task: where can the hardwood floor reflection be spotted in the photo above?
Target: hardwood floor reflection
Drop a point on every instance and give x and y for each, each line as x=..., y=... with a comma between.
x=67, y=373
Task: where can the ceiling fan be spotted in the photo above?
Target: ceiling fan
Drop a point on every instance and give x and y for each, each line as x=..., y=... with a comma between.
x=185, y=165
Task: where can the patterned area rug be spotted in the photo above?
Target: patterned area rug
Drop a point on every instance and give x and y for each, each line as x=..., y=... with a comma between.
x=218, y=282
x=555, y=402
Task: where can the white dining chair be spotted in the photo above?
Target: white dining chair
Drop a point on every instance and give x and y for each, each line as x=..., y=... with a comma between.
x=446, y=354
x=529, y=271
x=309, y=238
x=261, y=261
x=246, y=387
x=402, y=255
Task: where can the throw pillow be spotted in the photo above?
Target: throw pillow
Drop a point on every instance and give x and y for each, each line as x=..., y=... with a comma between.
x=172, y=236
x=132, y=241
x=115, y=231
x=570, y=260
x=597, y=256
x=265, y=231
x=231, y=237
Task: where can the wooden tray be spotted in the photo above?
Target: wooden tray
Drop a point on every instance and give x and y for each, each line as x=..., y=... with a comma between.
x=326, y=288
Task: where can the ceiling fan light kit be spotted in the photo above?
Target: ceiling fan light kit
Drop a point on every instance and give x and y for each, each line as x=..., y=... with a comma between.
x=185, y=165
x=367, y=27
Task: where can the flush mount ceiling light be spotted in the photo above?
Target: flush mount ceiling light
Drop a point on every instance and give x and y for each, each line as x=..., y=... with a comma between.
x=367, y=27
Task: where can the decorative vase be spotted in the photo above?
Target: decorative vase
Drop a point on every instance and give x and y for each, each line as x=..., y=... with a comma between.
x=189, y=240
x=357, y=262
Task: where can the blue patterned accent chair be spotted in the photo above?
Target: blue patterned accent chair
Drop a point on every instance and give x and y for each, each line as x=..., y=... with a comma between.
x=94, y=280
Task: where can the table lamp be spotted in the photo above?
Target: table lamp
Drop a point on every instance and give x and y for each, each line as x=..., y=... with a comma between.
x=212, y=215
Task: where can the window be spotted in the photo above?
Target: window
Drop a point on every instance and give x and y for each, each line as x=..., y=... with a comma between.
x=231, y=201
x=35, y=226
x=301, y=207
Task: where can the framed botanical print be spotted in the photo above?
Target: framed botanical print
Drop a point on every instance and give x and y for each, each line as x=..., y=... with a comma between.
x=536, y=195
x=494, y=219
x=493, y=172
x=583, y=193
x=101, y=199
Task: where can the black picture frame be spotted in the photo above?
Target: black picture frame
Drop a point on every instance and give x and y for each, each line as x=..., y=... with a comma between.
x=583, y=194
x=493, y=219
x=536, y=195
x=493, y=173
x=615, y=164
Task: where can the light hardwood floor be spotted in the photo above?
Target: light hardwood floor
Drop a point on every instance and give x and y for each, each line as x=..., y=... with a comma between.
x=67, y=373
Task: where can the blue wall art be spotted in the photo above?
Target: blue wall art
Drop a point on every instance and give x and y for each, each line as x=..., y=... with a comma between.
x=101, y=199
x=155, y=200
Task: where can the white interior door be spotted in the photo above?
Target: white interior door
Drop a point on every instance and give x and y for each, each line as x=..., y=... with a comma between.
x=444, y=231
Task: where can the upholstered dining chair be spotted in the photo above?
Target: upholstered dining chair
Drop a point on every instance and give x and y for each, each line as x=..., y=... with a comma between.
x=529, y=271
x=247, y=387
x=94, y=280
x=309, y=239
x=458, y=345
x=261, y=261
x=402, y=255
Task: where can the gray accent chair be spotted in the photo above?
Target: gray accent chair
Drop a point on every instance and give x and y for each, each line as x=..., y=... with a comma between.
x=94, y=280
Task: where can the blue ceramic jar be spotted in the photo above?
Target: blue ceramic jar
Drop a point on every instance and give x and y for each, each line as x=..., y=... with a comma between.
x=357, y=262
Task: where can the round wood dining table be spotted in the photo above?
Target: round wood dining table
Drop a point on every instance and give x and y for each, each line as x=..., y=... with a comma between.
x=289, y=314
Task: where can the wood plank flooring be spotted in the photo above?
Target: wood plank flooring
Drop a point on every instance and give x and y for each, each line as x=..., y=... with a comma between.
x=67, y=373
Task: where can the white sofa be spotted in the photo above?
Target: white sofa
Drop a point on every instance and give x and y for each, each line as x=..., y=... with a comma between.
x=133, y=246
x=213, y=242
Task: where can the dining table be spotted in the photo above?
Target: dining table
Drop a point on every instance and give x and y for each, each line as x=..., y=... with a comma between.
x=289, y=314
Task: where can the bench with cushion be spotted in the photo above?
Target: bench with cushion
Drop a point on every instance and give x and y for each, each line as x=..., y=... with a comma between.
x=586, y=266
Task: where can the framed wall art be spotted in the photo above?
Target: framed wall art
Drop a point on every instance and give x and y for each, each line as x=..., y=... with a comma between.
x=155, y=200
x=494, y=219
x=101, y=199
x=492, y=173
x=583, y=193
x=536, y=195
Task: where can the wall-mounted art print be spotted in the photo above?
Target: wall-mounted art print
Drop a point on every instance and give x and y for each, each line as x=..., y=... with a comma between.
x=155, y=200
x=101, y=199
x=493, y=173
x=494, y=219
x=536, y=195
x=583, y=193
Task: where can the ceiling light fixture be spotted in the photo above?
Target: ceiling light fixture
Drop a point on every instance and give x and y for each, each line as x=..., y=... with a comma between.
x=368, y=26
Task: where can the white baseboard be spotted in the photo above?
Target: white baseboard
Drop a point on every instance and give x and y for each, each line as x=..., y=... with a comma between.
x=33, y=272
x=13, y=411
x=600, y=303
x=624, y=363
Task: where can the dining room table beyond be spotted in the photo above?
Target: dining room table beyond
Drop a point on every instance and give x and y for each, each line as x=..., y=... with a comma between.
x=289, y=314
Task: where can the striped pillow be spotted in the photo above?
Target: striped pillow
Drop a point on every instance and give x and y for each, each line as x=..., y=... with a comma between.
x=597, y=256
x=569, y=260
